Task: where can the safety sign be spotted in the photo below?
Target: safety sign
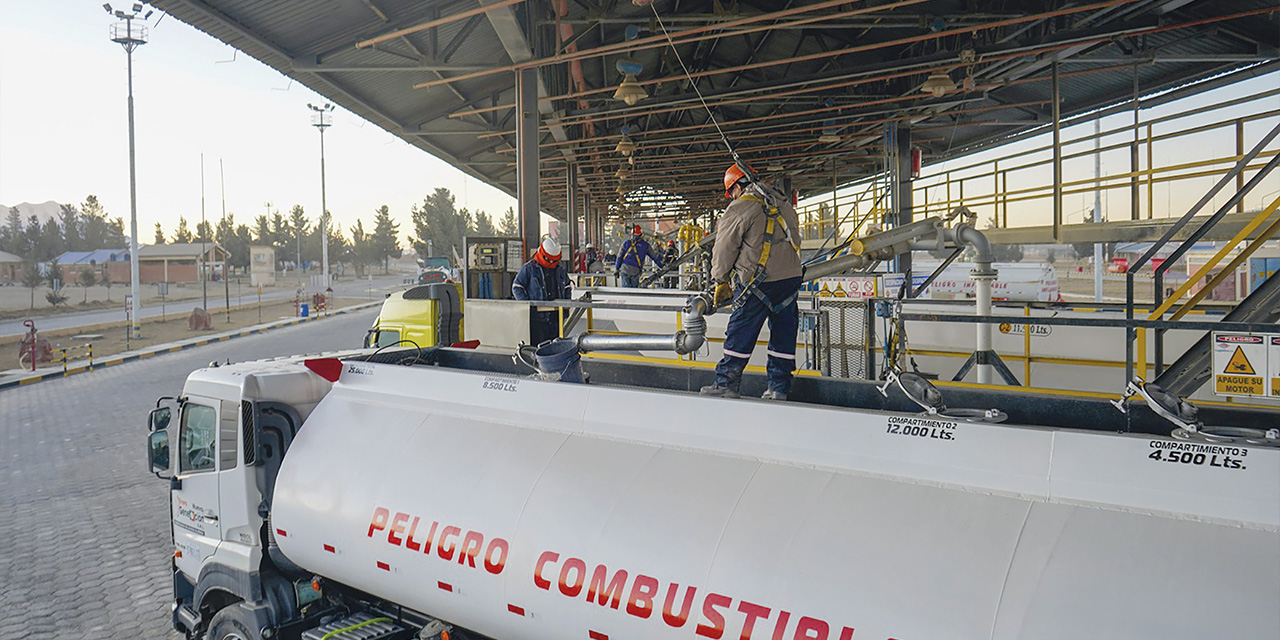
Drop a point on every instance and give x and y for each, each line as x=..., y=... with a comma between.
x=1240, y=364
x=1273, y=356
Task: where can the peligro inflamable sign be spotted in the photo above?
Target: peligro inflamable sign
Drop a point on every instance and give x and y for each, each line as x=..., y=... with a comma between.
x=1241, y=366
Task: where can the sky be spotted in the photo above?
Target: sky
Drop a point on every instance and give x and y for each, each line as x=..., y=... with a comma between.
x=64, y=129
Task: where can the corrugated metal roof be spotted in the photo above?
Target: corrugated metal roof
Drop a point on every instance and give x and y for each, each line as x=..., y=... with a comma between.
x=768, y=87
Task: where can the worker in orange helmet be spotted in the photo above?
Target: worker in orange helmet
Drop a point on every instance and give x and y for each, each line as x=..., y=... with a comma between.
x=755, y=264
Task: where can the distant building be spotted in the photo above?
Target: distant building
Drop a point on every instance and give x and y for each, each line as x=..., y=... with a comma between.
x=175, y=263
x=98, y=260
x=10, y=268
x=262, y=266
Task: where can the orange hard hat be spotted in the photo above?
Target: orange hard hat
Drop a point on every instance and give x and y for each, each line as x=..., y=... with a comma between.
x=731, y=177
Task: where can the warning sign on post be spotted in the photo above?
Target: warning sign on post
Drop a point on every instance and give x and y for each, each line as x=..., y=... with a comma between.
x=1240, y=364
x=1273, y=356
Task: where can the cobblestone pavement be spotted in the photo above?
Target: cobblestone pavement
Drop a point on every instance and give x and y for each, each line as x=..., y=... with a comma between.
x=84, y=528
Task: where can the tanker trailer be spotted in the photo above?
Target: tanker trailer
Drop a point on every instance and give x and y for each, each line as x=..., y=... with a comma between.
x=443, y=493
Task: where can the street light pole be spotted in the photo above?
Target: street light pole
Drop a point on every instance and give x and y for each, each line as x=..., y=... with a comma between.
x=226, y=260
x=131, y=38
x=321, y=120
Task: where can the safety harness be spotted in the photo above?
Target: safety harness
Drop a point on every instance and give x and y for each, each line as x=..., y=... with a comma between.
x=631, y=251
x=773, y=218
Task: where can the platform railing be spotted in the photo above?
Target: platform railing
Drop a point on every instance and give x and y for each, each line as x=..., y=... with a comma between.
x=1135, y=335
x=994, y=186
x=987, y=180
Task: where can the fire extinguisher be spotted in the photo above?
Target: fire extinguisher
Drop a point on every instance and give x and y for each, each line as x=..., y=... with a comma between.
x=917, y=161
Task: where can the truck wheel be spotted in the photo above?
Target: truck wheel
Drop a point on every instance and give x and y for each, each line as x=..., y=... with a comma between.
x=232, y=623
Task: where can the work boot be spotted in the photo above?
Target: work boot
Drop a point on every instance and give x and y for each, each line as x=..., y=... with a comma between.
x=718, y=392
x=779, y=396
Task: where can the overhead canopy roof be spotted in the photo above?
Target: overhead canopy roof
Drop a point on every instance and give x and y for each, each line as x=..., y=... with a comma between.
x=778, y=75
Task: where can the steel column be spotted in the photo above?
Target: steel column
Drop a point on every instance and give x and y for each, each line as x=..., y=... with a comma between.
x=1057, y=156
x=1135, y=201
x=902, y=190
x=527, y=158
x=571, y=206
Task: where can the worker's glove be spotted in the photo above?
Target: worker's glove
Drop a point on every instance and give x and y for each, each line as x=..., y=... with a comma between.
x=721, y=295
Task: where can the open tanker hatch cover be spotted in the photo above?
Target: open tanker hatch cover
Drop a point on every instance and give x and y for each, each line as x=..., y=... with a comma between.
x=779, y=76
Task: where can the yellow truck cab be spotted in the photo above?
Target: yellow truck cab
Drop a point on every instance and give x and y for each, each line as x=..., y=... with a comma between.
x=424, y=316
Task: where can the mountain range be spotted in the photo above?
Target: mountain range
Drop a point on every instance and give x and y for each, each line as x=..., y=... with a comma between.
x=44, y=211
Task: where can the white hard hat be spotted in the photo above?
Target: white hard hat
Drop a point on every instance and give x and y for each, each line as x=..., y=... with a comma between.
x=550, y=246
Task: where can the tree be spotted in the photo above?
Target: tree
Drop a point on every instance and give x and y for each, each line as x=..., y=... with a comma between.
x=183, y=234
x=235, y=240
x=159, y=234
x=508, y=225
x=54, y=275
x=362, y=248
x=204, y=232
x=96, y=230
x=298, y=227
x=385, y=238
x=437, y=221
x=32, y=278
x=262, y=230
x=72, y=238
x=87, y=279
x=484, y=224
x=14, y=238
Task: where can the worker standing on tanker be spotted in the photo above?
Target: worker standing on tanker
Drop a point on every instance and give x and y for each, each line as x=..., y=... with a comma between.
x=756, y=265
x=542, y=278
x=630, y=262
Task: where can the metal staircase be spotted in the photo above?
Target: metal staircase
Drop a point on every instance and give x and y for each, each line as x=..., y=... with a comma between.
x=1193, y=369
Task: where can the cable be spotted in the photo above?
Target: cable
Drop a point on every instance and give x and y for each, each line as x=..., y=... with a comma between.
x=751, y=175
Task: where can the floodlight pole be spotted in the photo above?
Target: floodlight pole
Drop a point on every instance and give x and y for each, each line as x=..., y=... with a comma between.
x=130, y=41
x=321, y=121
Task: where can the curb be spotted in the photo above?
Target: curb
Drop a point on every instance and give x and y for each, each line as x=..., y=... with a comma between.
x=82, y=366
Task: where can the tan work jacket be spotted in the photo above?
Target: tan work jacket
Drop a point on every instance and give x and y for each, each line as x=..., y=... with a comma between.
x=740, y=239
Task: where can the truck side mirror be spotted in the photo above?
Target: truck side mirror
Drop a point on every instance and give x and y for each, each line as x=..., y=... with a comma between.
x=158, y=451
x=159, y=419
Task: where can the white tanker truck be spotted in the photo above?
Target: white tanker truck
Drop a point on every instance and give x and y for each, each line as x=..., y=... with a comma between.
x=357, y=497
x=446, y=493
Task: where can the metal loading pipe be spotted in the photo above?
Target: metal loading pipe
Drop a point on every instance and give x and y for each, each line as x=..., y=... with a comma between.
x=685, y=341
x=983, y=275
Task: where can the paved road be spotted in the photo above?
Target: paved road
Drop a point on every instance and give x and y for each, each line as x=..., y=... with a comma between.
x=84, y=529
x=345, y=288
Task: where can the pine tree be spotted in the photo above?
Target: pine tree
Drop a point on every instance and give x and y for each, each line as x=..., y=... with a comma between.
x=159, y=234
x=385, y=238
x=32, y=278
x=262, y=230
x=298, y=227
x=72, y=238
x=13, y=236
x=362, y=247
x=508, y=225
x=204, y=232
x=484, y=224
x=87, y=279
x=182, y=235
x=438, y=221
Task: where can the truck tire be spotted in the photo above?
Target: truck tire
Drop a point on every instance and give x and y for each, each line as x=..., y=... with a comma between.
x=233, y=623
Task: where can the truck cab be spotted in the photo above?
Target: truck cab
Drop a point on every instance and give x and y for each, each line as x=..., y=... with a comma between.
x=220, y=445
